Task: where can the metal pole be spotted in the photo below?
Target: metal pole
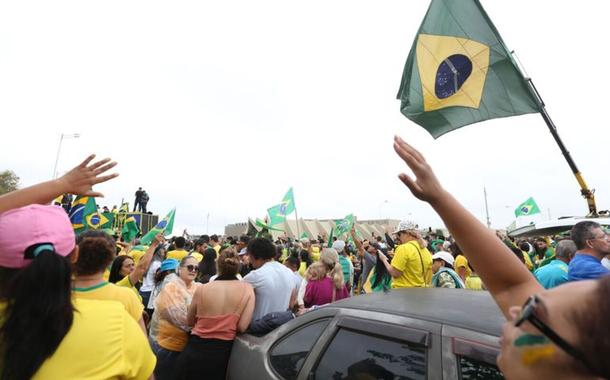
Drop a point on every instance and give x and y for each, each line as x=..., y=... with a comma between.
x=207, y=224
x=486, y=208
x=587, y=193
x=57, y=156
x=296, y=215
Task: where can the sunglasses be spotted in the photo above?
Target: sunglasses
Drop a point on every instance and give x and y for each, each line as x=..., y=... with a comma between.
x=191, y=268
x=528, y=314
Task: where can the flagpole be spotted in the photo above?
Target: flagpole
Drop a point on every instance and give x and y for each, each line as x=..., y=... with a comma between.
x=587, y=193
x=296, y=215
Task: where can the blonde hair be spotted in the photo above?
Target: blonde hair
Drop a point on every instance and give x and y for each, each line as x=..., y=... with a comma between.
x=330, y=261
x=315, y=271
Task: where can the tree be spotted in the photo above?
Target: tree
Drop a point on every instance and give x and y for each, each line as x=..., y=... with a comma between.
x=8, y=182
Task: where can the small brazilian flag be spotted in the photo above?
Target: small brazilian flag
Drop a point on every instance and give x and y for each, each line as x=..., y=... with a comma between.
x=529, y=207
x=83, y=214
x=459, y=71
x=276, y=214
x=165, y=226
x=130, y=229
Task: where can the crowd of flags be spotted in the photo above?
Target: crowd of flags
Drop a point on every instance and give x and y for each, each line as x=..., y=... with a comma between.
x=85, y=215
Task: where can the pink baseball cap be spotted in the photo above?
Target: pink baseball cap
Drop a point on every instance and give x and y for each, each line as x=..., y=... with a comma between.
x=34, y=224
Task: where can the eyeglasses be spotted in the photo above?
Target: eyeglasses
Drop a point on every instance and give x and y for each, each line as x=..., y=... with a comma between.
x=528, y=314
x=191, y=268
x=605, y=237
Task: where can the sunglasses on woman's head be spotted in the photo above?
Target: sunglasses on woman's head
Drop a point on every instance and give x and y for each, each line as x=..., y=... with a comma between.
x=191, y=268
x=528, y=313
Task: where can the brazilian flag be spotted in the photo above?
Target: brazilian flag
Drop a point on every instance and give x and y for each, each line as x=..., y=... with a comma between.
x=459, y=71
x=529, y=207
x=165, y=226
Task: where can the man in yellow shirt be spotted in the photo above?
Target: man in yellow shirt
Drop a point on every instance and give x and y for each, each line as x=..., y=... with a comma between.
x=411, y=265
x=179, y=253
x=215, y=243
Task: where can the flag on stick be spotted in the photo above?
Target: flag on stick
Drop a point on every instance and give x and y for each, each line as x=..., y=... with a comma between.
x=81, y=212
x=459, y=71
x=344, y=225
x=165, y=226
x=529, y=207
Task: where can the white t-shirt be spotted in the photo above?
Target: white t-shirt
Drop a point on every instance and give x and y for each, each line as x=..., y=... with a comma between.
x=273, y=284
x=606, y=263
x=148, y=284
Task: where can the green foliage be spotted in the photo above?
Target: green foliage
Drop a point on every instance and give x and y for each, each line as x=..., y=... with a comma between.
x=8, y=182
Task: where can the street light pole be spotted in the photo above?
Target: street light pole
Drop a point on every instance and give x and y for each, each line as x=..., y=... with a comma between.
x=61, y=139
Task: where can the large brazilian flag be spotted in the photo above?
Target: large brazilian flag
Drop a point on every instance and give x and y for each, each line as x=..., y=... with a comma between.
x=460, y=72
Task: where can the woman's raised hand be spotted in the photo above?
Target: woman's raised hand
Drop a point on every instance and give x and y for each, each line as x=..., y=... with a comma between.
x=81, y=179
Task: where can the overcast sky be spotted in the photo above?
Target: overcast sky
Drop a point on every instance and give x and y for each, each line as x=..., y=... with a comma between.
x=219, y=107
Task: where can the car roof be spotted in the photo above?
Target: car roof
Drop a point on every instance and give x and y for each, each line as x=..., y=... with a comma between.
x=469, y=309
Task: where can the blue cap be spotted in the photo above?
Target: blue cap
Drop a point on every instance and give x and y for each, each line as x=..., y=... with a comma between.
x=169, y=264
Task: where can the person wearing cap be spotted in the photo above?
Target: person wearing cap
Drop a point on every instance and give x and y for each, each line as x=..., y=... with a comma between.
x=411, y=266
x=346, y=264
x=444, y=275
x=37, y=246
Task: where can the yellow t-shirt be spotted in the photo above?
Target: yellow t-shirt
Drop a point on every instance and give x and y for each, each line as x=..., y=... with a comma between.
x=198, y=256
x=315, y=253
x=126, y=283
x=106, y=291
x=461, y=261
x=177, y=254
x=217, y=249
x=104, y=342
x=302, y=268
x=408, y=258
x=474, y=283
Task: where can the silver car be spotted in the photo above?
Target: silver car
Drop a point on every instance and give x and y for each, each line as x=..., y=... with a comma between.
x=401, y=334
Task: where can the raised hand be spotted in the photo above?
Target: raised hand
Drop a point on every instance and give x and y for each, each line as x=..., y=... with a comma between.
x=425, y=186
x=81, y=179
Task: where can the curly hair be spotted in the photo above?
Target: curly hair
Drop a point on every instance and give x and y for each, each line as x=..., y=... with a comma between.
x=96, y=252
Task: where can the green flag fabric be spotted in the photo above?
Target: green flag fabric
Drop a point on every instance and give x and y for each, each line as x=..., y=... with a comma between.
x=344, y=225
x=304, y=236
x=130, y=229
x=529, y=207
x=459, y=71
x=165, y=227
x=276, y=216
x=287, y=205
x=266, y=226
x=330, y=238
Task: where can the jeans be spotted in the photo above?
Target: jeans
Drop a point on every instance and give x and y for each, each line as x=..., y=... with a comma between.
x=166, y=362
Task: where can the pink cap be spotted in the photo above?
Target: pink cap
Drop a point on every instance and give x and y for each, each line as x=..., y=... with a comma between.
x=34, y=224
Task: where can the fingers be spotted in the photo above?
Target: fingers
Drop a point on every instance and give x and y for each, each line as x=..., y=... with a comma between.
x=94, y=194
x=104, y=168
x=408, y=181
x=87, y=161
x=99, y=163
x=414, y=152
x=105, y=178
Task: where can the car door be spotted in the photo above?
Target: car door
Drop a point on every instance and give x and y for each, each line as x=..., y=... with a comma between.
x=469, y=355
x=367, y=344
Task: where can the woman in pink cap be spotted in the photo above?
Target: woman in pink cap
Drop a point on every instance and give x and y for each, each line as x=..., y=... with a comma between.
x=45, y=333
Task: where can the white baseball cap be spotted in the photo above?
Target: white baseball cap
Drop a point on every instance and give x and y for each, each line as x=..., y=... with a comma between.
x=339, y=245
x=405, y=225
x=445, y=256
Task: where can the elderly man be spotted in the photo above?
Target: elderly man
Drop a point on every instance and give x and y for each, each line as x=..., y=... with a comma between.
x=593, y=245
x=555, y=272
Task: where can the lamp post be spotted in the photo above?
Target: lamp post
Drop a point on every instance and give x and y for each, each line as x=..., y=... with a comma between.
x=381, y=204
x=61, y=139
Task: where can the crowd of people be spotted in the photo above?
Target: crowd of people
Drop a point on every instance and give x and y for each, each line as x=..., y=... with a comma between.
x=172, y=309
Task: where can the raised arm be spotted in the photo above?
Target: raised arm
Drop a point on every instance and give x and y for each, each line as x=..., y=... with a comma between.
x=357, y=241
x=79, y=180
x=140, y=271
x=507, y=279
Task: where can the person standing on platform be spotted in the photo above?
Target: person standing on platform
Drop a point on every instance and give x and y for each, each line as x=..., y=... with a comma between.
x=136, y=204
x=144, y=201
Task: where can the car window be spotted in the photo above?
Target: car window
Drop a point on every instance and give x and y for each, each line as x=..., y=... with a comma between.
x=287, y=356
x=357, y=355
x=471, y=369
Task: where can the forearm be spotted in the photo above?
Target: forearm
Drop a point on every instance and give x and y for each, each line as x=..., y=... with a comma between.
x=395, y=273
x=504, y=275
x=138, y=274
x=42, y=193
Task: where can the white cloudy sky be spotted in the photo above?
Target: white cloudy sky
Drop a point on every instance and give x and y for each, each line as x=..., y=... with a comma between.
x=219, y=107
